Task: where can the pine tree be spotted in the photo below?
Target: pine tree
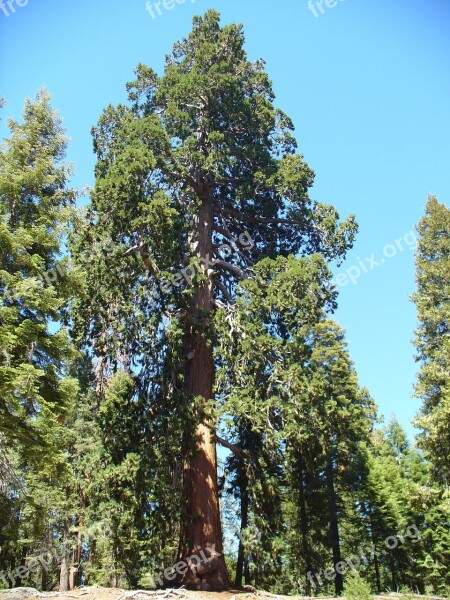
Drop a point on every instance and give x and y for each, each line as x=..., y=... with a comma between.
x=346, y=415
x=35, y=205
x=434, y=559
x=36, y=388
x=432, y=300
x=328, y=418
x=395, y=497
x=286, y=373
x=433, y=336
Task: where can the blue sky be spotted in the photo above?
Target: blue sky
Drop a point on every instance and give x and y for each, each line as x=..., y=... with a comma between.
x=367, y=84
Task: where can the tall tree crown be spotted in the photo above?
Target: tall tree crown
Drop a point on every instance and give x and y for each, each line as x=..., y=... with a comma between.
x=35, y=205
x=433, y=335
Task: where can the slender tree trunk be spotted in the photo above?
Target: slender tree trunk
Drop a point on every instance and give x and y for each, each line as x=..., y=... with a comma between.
x=64, y=568
x=393, y=575
x=64, y=575
x=74, y=570
x=304, y=525
x=11, y=581
x=201, y=531
x=334, y=524
x=241, y=565
x=377, y=573
x=44, y=582
x=376, y=563
x=18, y=581
x=73, y=573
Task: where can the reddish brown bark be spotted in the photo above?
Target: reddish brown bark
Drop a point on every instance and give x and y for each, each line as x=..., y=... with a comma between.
x=201, y=531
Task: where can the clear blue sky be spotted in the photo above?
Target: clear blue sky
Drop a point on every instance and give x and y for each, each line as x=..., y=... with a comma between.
x=367, y=84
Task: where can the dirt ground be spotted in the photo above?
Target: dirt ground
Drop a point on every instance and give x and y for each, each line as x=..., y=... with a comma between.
x=98, y=593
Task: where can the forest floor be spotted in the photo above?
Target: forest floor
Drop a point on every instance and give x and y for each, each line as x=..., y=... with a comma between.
x=98, y=593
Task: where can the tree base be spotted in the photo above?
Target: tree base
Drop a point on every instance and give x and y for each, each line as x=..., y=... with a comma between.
x=198, y=585
x=205, y=582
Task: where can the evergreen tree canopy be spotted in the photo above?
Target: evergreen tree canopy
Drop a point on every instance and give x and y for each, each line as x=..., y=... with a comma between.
x=35, y=205
x=197, y=179
x=433, y=335
x=199, y=301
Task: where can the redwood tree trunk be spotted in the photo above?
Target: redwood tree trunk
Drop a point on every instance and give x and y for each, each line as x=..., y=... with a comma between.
x=201, y=531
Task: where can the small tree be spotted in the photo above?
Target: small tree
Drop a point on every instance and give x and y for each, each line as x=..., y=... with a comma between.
x=356, y=588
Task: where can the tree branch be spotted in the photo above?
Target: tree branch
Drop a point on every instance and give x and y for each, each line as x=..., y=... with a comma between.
x=223, y=232
x=224, y=291
x=146, y=258
x=248, y=219
x=221, y=264
x=235, y=449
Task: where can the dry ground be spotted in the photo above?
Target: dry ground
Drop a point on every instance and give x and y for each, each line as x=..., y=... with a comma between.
x=98, y=593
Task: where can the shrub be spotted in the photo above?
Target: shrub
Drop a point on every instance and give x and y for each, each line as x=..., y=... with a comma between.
x=356, y=588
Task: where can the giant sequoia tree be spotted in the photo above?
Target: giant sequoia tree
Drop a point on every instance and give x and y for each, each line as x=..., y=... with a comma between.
x=197, y=179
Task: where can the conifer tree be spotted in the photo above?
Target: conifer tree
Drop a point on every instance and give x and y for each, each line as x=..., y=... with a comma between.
x=197, y=164
x=35, y=205
x=36, y=388
x=432, y=342
x=432, y=299
x=285, y=370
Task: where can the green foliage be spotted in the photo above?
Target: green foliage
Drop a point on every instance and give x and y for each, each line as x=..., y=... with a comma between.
x=432, y=340
x=286, y=365
x=37, y=386
x=35, y=205
x=94, y=441
x=202, y=143
x=435, y=560
x=356, y=588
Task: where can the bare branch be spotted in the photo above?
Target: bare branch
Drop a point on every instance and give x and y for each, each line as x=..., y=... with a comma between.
x=146, y=258
x=235, y=449
x=132, y=249
x=223, y=232
x=224, y=291
x=248, y=219
x=221, y=264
